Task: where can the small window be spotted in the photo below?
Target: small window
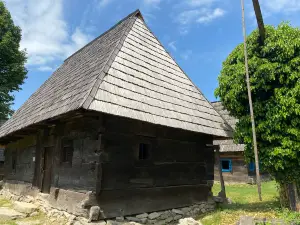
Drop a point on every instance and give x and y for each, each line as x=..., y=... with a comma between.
x=226, y=165
x=144, y=151
x=67, y=151
x=251, y=166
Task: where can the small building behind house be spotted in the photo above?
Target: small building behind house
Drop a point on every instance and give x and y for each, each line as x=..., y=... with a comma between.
x=234, y=166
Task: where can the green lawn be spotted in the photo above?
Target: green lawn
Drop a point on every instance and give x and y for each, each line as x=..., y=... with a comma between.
x=245, y=202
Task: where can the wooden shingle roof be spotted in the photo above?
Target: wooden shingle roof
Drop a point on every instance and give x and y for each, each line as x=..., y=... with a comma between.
x=227, y=145
x=124, y=72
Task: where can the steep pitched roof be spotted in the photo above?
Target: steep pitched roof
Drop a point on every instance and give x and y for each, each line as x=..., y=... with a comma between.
x=227, y=145
x=224, y=113
x=125, y=72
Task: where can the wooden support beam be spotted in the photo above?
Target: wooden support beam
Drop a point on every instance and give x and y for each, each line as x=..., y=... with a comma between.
x=222, y=193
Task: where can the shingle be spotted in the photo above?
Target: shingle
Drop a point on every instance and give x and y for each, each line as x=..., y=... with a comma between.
x=227, y=145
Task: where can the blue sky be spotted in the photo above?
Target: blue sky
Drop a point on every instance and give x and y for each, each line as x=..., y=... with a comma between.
x=199, y=34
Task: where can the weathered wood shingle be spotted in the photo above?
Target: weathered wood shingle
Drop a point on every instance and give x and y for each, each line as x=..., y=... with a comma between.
x=227, y=145
x=145, y=83
x=125, y=72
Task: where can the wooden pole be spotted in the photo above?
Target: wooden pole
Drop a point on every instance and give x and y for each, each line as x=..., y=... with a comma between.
x=260, y=21
x=250, y=105
x=223, y=191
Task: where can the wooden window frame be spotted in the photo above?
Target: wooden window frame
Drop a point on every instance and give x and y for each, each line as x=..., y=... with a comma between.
x=230, y=165
x=251, y=166
x=65, y=159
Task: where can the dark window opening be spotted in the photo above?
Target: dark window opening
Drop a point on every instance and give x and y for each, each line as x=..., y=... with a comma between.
x=67, y=152
x=144, y=151
x=226, y=165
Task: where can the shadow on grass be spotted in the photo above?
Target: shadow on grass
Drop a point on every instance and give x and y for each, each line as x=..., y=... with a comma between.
x=264, y=206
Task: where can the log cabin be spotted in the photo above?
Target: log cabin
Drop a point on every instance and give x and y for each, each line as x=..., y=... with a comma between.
x=118, y=125
x=233, y=164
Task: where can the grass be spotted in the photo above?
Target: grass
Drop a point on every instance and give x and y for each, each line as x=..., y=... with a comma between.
x=245, y=202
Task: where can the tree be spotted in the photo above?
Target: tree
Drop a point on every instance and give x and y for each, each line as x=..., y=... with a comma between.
x=274, y=70
x=12, y=60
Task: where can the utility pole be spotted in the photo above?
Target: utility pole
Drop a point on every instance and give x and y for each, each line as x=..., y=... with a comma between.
x=250, y=105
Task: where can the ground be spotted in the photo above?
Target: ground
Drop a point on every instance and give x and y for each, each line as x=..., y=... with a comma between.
x=246, y=202
x=39, y=219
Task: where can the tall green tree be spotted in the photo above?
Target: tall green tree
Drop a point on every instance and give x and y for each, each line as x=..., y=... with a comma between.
x=12, y=61
x=274, y=70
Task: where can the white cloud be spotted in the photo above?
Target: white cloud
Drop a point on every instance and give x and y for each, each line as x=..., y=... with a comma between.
x=211, y=15
x=45, y=68
x=186, y=54
x=172, y=45
x=183, y=30
x=195, y=3
x=203, y=15
x=103, y=3
x=45, y=33
x=281, y=6
x=150, y=2
x=187, y=17
x=189, y=12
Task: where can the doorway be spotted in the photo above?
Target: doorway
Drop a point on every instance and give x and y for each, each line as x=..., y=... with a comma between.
x=47, y=170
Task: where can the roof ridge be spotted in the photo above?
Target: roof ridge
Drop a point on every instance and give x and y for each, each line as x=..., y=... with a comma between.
x=135, y=13
x=89, y=98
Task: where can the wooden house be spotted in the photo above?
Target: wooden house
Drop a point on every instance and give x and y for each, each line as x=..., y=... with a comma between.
x=119, y=125
x=233, y=164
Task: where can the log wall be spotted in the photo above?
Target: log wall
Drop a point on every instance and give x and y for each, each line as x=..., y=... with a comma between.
x=175, y=174
x=20, y=160
x=105, y=159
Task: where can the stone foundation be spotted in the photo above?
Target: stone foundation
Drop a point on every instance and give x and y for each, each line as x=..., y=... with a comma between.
x=62, y=206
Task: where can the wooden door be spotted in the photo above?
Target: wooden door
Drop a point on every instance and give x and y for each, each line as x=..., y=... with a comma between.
x=47, y=170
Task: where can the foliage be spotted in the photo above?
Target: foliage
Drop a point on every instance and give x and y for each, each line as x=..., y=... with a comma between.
x=274, y=70
x=12, y=60
x=246, y=202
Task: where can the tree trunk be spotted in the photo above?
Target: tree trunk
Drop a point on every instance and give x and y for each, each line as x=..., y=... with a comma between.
x=288, y=194
x=260, y=21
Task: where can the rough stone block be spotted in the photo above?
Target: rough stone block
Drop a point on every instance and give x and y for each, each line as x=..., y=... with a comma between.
x=177, y=211
x=177, y=217
x=154, y=215
x=188, y=221
x=94, y=213
x=134, y=219
x=24, y=207
x=140, y=216
x=120, y=218
x=10, y=214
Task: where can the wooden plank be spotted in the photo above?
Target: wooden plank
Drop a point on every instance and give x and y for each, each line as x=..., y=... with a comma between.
x=134, y=201
x=117, y=176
